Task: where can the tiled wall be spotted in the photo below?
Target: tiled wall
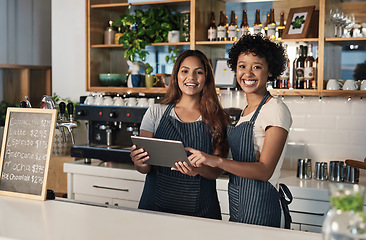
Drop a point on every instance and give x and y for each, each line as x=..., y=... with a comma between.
x=326, y=129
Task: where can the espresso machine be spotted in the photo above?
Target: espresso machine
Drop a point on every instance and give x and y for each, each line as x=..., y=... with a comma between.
x=109, y=130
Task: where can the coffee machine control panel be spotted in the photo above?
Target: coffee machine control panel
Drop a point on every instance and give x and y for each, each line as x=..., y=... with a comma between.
x=110, y=113
x=109, y=131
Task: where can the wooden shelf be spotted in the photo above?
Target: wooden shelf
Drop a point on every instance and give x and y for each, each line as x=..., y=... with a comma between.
x=294, y=92
x=117, y=5
x=343, y=93
x=155, y=90
x=153, y=44
x=343, y=41
x=231, y=42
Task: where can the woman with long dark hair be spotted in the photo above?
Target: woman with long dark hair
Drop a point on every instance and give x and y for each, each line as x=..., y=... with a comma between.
x=191, y=113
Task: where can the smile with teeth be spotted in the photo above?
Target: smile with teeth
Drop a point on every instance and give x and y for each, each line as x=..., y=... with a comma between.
x=249, y=82
x=192, y=85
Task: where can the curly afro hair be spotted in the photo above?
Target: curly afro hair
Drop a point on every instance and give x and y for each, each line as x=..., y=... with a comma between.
x=273, y=52
x=360, y=71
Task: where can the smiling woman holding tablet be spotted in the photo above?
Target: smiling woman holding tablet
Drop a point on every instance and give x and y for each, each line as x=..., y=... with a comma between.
x=190, y=113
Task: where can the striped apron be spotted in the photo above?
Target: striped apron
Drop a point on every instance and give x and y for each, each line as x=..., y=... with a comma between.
x=250, y=201
x=173, y=192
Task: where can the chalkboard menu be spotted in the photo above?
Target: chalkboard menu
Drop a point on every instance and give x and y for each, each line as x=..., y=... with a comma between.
x=25, y=152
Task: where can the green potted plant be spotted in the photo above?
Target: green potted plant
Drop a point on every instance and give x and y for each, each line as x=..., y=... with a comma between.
x=143, y=28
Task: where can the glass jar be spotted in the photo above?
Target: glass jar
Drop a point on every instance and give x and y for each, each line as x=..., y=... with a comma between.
x=345, y=219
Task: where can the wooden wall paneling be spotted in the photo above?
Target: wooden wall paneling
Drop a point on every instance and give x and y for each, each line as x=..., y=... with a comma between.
x=12, y=85
x=38, y=85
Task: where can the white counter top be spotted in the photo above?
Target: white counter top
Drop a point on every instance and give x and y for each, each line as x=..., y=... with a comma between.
x=60, y=219
x=303, y=188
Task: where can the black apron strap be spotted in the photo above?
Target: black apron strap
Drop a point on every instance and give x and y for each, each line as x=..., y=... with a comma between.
x=286, y=199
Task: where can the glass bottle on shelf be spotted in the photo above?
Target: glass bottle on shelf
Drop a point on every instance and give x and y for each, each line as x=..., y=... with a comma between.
x=232, y=29
x=244, y=28
x=309, y=70
x=285, y=76
x=257, y=26
x=299, y=69
x=346, y=218
x=281, y=27
x=221, y=28
x=109, y=33
x=265, y=27
x=212, y=29
x=118, y=35
x=271, y=26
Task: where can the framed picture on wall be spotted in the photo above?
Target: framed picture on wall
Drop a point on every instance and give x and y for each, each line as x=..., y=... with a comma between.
x=298, y=21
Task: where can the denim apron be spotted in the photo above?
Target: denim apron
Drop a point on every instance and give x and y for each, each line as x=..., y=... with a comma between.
x=173, y=192
x=250, y=201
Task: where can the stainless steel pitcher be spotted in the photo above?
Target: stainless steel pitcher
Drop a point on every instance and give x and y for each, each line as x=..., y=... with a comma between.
x=321, y=171
x=336, y=169
x=304, y=170
x=351, y=174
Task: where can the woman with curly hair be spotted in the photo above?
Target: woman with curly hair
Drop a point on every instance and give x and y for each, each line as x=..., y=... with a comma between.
x=258, y=140
x=191, y=113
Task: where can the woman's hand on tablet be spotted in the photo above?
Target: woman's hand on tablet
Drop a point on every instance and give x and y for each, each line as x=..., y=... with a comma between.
x=138, y=157
x=184, y=168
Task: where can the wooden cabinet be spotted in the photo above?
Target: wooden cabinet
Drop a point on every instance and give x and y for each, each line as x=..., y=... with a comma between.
x=25, y=80
x=103, y=58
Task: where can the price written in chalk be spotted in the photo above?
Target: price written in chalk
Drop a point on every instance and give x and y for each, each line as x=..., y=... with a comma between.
x=21, y=167
x=26, y=142
x=26, y=152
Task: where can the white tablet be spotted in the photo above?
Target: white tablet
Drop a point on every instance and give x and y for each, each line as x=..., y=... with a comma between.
x=162, y=152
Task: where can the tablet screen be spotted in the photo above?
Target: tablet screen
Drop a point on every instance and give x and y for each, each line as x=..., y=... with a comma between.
x=162, y=152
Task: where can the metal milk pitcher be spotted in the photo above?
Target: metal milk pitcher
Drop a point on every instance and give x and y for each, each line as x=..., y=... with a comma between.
x=336, y=171
x=304, y=168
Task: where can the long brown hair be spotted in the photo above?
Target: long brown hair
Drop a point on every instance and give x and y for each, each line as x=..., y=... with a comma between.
x=210, y=108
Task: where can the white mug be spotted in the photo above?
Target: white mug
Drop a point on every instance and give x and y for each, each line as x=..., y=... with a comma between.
x=89, y=100
x=363, y=85
x=142, y=102
x=350, y=84
x=333, y=84
x=108, y=101
x=118, y=101
x=173, y=36
x=131, y=102
x=98, y=100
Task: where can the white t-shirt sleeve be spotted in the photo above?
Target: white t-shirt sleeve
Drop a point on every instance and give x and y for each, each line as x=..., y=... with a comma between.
x=152, y=117
x=276, y=114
